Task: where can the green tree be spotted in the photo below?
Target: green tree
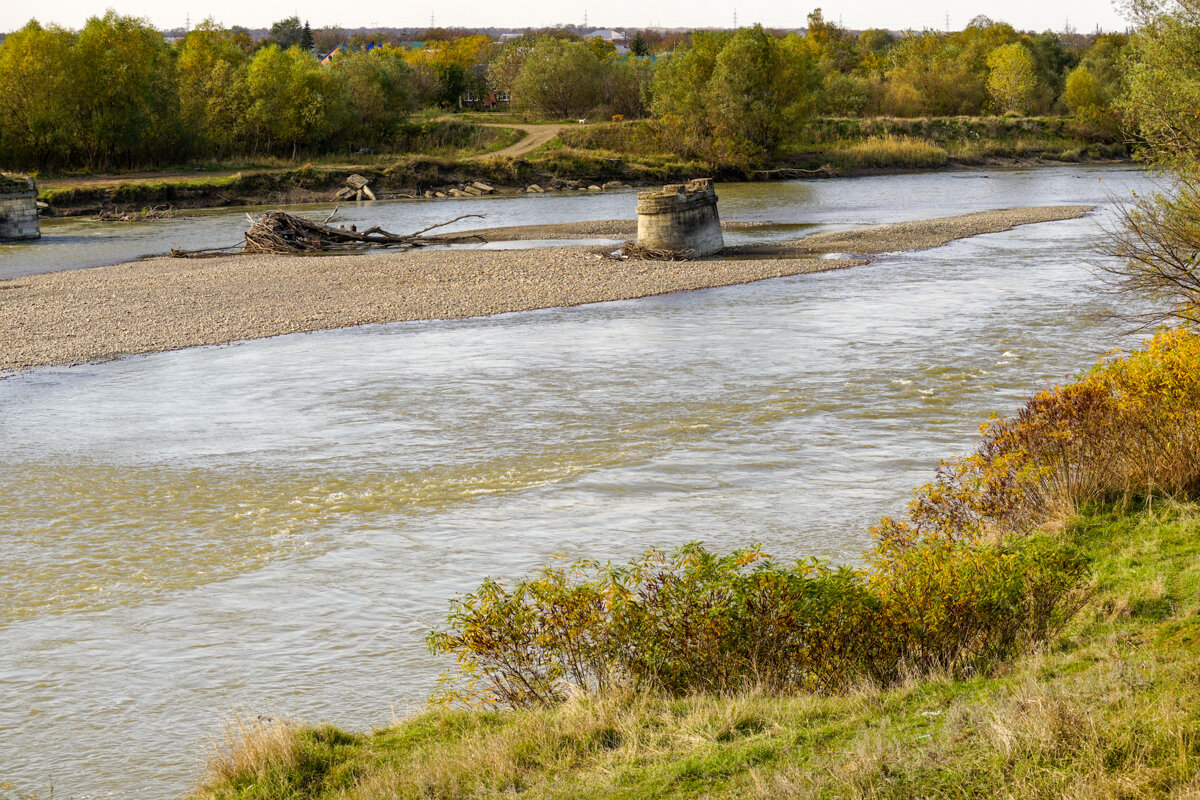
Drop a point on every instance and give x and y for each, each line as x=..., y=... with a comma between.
x=213, y=95
x=287, y=33
x=626, y=86
x=1163, y=85
x=638, y=46
x=740, y=95
x=35, y=98
x=378, y=86
x=680, y=89
x=762, y=89
x=294, y=102
x=1012, y=79
x=306, y=38
x=123, y=93
x=936, y=74
x=1157, y=243
x=559, y=78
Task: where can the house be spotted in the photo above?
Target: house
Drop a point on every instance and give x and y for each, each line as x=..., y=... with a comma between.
x=607, y=35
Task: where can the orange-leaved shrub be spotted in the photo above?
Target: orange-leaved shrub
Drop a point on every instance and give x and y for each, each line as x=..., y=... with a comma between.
x=1130, y=425
x=971, y=577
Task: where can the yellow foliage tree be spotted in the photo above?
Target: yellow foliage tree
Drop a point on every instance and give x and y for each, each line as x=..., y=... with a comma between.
x=1012, y=78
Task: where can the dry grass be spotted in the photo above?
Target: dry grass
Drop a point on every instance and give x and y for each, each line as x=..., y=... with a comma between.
x=889, y=151
x=247, y=743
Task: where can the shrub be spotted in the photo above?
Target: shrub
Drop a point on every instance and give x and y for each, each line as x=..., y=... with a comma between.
x=1131, y=425
x=962, y=607
x=695, y=621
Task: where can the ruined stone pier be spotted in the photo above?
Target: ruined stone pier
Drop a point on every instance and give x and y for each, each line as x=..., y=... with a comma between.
x=18, y=209
x=681, y=217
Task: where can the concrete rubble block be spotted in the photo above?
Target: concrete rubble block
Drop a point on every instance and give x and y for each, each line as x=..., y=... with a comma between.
x=533, y=188
x=483, y=187
x=457, y=193
x=471, y=190
x=681, y=217
x=613, y=185
x=356, y=181
x=345, y=193
x=594, y=188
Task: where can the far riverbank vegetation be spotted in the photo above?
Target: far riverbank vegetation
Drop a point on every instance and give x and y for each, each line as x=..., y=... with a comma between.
x=118, y=97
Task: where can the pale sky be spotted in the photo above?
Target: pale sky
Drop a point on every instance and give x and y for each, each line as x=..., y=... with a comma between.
x=1082, y=15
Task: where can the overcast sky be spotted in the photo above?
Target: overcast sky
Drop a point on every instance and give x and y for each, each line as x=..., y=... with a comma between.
x=917, y=14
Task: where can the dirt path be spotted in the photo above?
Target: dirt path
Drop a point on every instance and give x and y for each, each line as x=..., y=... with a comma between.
x=535, y=137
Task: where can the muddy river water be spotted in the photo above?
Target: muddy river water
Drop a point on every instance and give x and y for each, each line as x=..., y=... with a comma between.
x=275, y=525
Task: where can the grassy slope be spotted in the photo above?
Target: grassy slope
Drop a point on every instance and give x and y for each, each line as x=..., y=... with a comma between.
x=1111, y=710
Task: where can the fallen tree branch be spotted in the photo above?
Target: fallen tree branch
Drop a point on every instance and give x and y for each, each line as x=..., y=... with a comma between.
x=281, y=233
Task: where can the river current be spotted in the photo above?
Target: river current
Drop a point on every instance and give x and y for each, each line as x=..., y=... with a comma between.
x=275, y=525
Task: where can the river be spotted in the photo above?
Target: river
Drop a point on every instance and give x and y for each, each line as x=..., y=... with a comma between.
x=275, y=525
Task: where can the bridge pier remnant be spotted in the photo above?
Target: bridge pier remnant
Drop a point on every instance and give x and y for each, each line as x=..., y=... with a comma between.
x=681, y=217
x=18, y=209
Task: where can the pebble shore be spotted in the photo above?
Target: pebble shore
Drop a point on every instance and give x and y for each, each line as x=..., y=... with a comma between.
x=79, y=316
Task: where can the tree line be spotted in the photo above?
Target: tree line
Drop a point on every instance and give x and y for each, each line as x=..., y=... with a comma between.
x=116, y=94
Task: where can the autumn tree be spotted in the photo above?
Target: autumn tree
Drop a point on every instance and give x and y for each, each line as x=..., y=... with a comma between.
x=1011, y=78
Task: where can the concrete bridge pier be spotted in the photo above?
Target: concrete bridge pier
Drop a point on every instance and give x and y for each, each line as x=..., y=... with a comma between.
x=681, y=217
x=18, y=209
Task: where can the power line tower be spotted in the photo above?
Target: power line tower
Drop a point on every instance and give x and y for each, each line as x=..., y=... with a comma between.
x=735, y=27
x=585, y=18
x=947, y=21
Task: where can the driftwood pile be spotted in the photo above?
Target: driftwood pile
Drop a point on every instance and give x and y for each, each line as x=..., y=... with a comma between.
x=145, y=215
x=634, y=250
x=281, y=233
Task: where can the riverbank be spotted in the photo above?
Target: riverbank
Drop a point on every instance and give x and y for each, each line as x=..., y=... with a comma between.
x=161, y=304
x=1110, y=710
x=410, y=178
x=561, y=157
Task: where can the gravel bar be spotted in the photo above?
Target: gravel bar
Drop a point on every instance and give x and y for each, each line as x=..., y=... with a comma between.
x=79, y=316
